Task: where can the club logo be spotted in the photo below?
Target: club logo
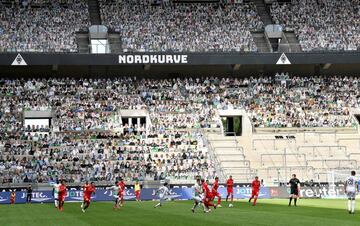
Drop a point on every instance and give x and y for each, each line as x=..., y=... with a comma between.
x=19, y=61
x=283, y=59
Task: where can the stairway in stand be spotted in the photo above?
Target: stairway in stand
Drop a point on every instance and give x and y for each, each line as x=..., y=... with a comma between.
x=94, y=12
x=230, y=155
x=263, y=12
x=261, y=42
x=293, y=42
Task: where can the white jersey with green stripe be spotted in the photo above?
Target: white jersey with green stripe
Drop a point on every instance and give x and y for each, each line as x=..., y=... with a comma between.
x=56, y=190
x=197, y=189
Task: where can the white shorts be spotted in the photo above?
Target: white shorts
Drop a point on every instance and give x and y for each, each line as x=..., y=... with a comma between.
x=116, y=196
x=56, y=196
x=162, y=196
x=197, y=198
x=351, y=195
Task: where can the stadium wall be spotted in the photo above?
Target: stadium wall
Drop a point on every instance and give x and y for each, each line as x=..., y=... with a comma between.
x=220, y=64
x=178, y=58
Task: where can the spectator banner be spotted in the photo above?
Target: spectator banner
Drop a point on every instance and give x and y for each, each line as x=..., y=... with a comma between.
x=107, y=195
x=32, y=59
x=325, y=192
x=73, y=195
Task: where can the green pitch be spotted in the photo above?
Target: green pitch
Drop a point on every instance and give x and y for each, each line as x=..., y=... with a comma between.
x=177, y=213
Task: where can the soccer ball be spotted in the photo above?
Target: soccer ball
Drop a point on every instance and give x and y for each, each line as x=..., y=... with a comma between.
x=230, y=205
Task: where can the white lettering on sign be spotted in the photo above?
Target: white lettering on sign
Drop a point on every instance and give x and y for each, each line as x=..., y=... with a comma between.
x=153, y=59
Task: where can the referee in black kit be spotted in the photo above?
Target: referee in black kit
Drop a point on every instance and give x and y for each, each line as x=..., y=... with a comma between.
x=28, y=194
x=294, y=189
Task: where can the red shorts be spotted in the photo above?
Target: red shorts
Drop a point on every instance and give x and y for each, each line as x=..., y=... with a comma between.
x=61, y=198
x=121, y=194
x=87, y=199
x=137, y=193
x=215, y=194
x=209, y=196
x=255, y=193
x=230, y=190
x=207, y=199
x=12, y=201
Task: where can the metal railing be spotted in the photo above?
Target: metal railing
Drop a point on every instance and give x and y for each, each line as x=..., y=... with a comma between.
x=211, y=151
x=96, y=49
x=288, y=138
x=319, y=135
x=339, y=163
x=286, y=130
x=237, y=146
x=329, y=148
x=349, y=139
x=282, y=174
x=284, y=158
x=228, y=154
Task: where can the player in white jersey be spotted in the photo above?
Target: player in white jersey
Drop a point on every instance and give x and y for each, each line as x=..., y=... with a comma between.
x=56, y=187
x=351, y=187
x=116, y=191
x=163, y=193
x=197, y=194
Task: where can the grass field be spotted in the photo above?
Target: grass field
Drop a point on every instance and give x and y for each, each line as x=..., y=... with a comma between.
x=177, y=213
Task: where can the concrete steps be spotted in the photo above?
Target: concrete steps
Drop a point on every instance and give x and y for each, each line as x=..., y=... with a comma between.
x=293, y=42
x=115, y=42
x=94, y=12
x=261, y=42
x=263, y=12
x=83, y=43
x=231, y=158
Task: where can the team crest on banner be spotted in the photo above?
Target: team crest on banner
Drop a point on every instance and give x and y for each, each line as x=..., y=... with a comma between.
x=19, y=61
x=283, y=59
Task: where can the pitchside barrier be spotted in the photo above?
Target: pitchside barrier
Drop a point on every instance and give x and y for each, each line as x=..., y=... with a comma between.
x=76, y=195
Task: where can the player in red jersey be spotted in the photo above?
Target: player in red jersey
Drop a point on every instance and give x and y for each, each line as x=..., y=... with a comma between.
x=88, y=189
x=208, y=196
x=215, y=192
x=230, y=189
x=255, y=185
x=62, y=195
x=12, y=197
x=121, y=194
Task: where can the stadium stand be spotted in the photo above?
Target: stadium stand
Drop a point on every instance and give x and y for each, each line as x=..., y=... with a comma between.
x=311, y=154
x=51, y=26
x=89, y=137
x=321, y=25
x=42, y=26
x=151, y=107
x=182, y=27
x=104, y=157
x=302, y=124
